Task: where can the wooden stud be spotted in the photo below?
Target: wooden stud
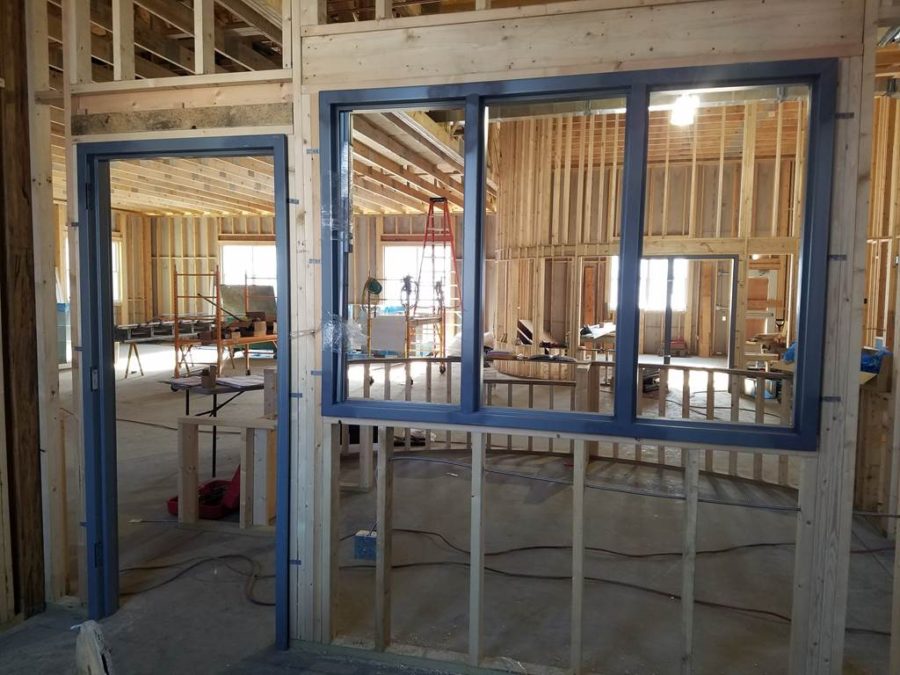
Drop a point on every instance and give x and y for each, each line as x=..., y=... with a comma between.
x=384, y=527
x=476, y=551
x=776, y=179
x=579, y=471
x=123, y=39
x=204, y=37
x=188, y=482
x=688, y=558
x=821, y=567
x=46, y=254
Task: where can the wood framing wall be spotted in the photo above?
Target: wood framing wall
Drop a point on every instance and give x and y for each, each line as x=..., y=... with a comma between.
x=153, y=247
x=542, y=40
x=732, y=185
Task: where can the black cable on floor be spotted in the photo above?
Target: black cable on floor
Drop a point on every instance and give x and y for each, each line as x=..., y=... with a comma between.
x=595, y=486
x=764, y=613
x=192, y=563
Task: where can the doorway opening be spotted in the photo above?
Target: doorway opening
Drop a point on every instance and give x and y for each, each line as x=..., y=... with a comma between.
x=184, y=262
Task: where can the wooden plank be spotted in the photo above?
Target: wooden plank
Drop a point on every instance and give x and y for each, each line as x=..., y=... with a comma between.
x=579, y=471
x=384, y=527
x=476, y=551
x=247, y=115
x=499, y=49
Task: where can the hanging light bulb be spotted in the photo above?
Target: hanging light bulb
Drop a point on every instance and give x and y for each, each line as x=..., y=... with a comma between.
x=684, y=110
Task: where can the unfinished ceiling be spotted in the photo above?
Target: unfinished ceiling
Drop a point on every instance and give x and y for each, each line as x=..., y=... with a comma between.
x=207, y=186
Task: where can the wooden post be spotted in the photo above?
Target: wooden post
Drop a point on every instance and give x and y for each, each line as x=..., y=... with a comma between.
x=247, y=478
x=77, y=70
x=328, y=546
x=313, y=13
x=383, y=9
x=44, y=227
x=264, y=445
x=476, y=551
x=7, y=584
x=587, y=394
x=17, y=316
x=384, y=526
x=204, y=37
x=689, y=555
x=123, y=39
x=366, y=458
x=579, y=471
x=188, y=456
x=822, y=562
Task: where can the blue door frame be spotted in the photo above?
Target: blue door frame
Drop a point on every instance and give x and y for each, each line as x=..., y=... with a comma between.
x=98, y=372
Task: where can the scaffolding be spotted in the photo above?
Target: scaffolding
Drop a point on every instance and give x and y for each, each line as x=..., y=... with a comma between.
x=225, y=338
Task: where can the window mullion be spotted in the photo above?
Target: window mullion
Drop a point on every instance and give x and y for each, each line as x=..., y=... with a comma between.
x=630, y=242
x=473, y=254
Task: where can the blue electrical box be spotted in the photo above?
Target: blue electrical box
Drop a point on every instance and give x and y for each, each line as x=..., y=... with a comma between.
x=364, y=545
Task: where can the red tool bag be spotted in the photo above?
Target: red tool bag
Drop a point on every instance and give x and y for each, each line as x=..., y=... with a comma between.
x=218, y=498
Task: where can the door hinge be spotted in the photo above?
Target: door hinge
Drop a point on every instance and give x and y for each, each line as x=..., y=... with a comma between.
x=98, y=554
x=95, y=379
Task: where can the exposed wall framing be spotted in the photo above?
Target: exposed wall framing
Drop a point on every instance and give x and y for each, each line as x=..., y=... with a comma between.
x=501, y=43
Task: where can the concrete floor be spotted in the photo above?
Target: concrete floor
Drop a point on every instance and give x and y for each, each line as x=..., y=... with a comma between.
x=202, y=622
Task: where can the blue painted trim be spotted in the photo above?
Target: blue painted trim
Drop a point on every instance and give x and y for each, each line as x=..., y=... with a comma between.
x=98, y=424
x=820, y=75
x=472, y=352
x=634, y=179
x=284, y=430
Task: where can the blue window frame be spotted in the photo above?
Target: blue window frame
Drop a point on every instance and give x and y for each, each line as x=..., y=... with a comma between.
x=335, y=109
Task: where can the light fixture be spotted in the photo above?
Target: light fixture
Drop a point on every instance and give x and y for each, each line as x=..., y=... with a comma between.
x=684, y=110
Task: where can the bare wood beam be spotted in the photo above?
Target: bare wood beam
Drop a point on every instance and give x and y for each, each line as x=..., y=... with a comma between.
x=374, y=158
x=391, y=182
x=78, y=51
x=313, y=13
x=383, y=9
x=204, y=37
x=368, y=132
x=435, y=139
x=101, y=50
x=247, y=13
x=427, y=137
x=123, y=39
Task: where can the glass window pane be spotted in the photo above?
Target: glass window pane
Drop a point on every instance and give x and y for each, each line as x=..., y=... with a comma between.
x=405, y=266
x=722, y=224
x=551, y=241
